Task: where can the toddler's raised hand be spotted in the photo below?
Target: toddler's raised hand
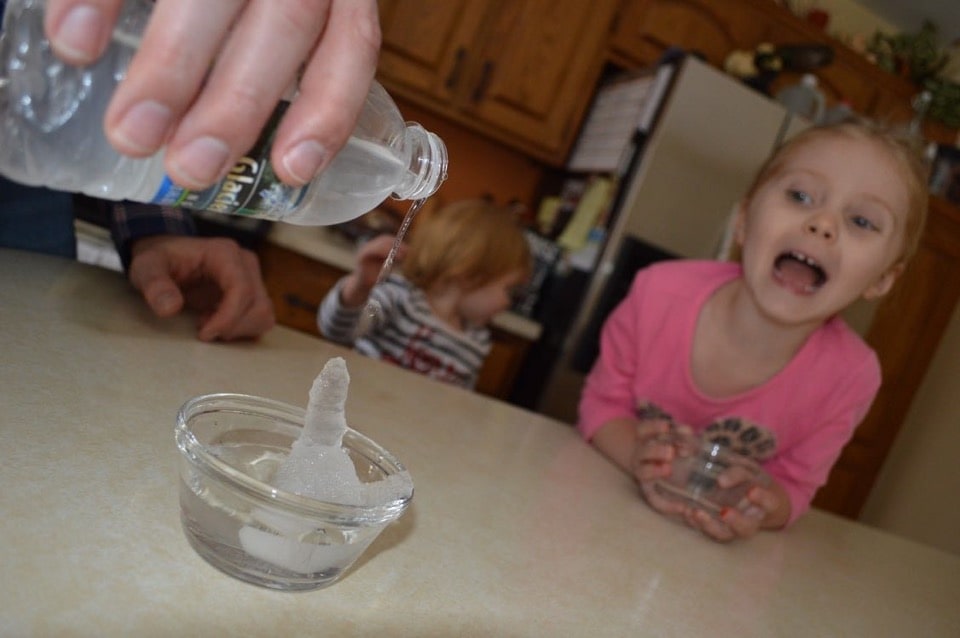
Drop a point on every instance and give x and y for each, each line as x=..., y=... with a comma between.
x=370, y=258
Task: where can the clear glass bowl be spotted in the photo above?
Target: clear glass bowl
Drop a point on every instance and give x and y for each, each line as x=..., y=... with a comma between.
x=231, y=445
x=697, y=466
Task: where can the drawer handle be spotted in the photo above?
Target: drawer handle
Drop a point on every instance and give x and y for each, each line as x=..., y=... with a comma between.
x=484, y=82
x=297, y=302
x=453, y=79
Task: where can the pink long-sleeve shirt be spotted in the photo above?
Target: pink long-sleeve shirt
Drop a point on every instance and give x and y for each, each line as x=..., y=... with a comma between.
x=809, y=409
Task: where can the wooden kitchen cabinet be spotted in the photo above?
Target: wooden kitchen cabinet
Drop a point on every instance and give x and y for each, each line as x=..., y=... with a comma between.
x=643, y=29
x=502, y=365
x=519, y=71
x=297, y=284
x=425, y=46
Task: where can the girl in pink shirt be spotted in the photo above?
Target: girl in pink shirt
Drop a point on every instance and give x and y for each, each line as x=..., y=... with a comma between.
x=754, y=354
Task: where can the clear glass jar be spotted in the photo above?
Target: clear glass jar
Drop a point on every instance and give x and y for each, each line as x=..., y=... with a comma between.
x=696, y=471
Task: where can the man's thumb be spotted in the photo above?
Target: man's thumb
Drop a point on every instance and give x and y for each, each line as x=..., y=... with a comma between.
x=160, y=291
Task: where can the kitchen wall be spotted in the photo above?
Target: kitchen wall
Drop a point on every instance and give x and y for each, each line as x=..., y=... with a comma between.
x=847, y=18
x=916, y=493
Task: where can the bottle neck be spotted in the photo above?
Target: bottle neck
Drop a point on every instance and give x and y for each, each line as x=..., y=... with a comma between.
x=427, y=168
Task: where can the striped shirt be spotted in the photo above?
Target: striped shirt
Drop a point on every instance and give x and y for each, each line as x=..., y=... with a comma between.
x=407, y=333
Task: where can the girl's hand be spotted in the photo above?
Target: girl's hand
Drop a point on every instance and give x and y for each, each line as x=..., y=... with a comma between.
x=653, y=459
x=763, y=507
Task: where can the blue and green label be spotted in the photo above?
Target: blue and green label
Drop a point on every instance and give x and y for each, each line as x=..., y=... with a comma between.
x=250, y=188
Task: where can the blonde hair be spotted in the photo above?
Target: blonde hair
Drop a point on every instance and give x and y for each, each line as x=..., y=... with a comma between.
x=471, y=242
x=904, y=148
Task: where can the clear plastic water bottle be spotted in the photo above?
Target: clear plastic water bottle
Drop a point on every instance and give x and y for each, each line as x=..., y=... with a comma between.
x=804, y=98
x=51, y=134
x=839, y=112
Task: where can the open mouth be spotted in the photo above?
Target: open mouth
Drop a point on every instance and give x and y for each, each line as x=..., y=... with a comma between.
x=799, y=272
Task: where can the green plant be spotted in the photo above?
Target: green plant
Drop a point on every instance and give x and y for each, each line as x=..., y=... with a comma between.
x=919, y=58
x=945, y=105
x=916, y=56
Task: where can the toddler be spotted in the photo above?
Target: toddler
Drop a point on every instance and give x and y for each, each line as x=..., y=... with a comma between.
x=754, y=354
x=462, y=266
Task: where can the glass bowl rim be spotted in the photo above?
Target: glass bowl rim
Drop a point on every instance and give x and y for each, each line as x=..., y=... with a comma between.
x=198, y=456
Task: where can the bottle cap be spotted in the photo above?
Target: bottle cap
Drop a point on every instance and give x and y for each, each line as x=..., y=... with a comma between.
x=428, y=163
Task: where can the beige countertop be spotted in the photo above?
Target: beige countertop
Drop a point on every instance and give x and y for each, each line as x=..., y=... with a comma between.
x=326, y=246
x=517, y=527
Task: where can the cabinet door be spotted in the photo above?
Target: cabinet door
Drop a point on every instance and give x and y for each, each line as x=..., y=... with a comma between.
x=296, y=285
x=519, y=71
x=428, y=45
x=500, y=369
x=541, y=60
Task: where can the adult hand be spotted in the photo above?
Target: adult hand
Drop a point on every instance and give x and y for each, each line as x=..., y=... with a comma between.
x=208, y=74
x=214, y=277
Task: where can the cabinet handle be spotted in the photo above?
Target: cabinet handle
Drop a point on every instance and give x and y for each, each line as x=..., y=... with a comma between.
x=484, y=83
x=296, y=302
x=453, y=79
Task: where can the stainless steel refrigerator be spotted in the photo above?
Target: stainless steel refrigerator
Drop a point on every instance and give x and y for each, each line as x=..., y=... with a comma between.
x=696, y=140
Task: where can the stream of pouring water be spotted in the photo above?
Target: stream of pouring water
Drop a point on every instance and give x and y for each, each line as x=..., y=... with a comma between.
x=372, y=309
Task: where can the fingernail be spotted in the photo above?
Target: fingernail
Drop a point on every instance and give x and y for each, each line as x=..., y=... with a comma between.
x=79, y=33
x=145, y=126
x=304, y=160
x=200, y=163
x=204, y=330
x=166, y=302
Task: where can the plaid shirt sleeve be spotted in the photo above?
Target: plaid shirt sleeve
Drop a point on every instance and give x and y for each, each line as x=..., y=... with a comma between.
x=131, y=221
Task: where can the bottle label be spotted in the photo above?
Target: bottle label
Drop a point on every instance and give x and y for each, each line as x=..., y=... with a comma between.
x=251, y=187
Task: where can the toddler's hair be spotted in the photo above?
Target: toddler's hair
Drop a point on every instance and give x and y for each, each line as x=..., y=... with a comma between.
x=472, y=242
x=905, y=148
